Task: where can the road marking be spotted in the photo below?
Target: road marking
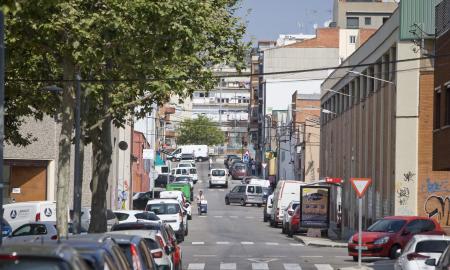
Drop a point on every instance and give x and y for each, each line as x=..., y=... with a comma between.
x=218, y=216
x=260, y=266
x=272, y=244
x=196, y=266
x=198, y=243
x=233, y=216
x=323, y=267
x=247, y=243
x=311, y=256
x=202, y=216
x=222, y=243
x=275, y=256
x=292, y=266
x=205, y=255
x=296, y=244
x=249, y=217
x=227, y=266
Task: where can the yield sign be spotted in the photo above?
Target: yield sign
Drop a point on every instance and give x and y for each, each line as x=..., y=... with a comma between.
x=360, y=185
x=264, y=165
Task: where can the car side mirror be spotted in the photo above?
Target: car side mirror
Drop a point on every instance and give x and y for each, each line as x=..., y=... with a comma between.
x=430, y=262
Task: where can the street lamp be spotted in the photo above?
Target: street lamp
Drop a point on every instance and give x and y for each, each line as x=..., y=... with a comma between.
x=78, y=170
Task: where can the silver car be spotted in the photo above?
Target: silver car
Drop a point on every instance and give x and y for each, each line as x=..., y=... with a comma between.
x=245, y=194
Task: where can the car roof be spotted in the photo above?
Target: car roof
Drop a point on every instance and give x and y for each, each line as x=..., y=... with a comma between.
x=406, y=217
x=98, y=237
x=421, y=237
x=162, y=201
x=141, y=233
x=147, y=225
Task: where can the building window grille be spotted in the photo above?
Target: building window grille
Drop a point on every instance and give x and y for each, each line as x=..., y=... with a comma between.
x=352, y=22
x=437, y=109
x=368, y=21
x=352, y=39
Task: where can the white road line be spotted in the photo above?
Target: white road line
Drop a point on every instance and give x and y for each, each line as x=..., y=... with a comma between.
x=292, y=266
x=249, y=217
x=297, y=244
x=272, y=244
x=323, y=267
x=247, y=243
x=311, y=256
x=204, y=255
x=196, y=266
x=227, y=266
x=260, y=266
x=198, y=243
x=218, y=216
x=202, y=216
x=233, y=216
x=222, y=243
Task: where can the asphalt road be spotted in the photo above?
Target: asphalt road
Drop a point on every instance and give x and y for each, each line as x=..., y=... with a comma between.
x=235, y=237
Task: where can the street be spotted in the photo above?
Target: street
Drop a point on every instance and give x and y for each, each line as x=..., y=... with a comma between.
x=235, y=237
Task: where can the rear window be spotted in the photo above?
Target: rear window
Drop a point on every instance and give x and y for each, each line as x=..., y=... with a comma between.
x=295, y=205
x=147, y=216
x=121, y=216
x=164, y=169
x=33, y=263
x=164, y=209
x=218, y=173
x=193, y=171
x=152, y=243
x=254, y=189
x=432, y=246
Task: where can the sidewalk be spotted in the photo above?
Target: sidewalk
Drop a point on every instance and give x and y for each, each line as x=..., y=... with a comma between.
x=319, y=242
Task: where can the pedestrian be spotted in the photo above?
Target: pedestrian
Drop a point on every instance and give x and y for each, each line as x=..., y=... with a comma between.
x=253, y=166
x=210, y=162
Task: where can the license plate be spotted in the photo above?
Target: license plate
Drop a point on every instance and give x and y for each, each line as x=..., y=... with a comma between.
x=361, y=247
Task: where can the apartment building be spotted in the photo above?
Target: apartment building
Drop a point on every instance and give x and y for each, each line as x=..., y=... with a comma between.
x=381, y=126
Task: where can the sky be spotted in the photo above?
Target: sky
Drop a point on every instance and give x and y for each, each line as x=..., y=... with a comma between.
x=269, y=18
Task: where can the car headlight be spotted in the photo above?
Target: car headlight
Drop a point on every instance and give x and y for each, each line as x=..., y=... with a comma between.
x=381, y=241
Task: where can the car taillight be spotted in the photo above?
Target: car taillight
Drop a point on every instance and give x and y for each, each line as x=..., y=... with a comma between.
x=416, y=256
x=157, y=255
x=38, y=217
x=54, y=237
x=9, y=257
x=135, y=257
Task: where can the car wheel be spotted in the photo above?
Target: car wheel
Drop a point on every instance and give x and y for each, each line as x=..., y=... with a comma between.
x=227, y=201
x=355, y=258
x=243, y=202
x=210, y=186
x=290, y=233
x=273, y=224
x=186, y=231
x=393, y=252
x=226, y=185
x=182, y=237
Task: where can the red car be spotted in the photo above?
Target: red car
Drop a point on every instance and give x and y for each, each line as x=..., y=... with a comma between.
x=294, y=225
x=238, y=171
x=387, y=235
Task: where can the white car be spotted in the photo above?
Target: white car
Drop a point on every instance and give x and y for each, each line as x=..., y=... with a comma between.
x=289, y=212
x=21, y=213
x=162, y=259
x=171, y=212
x=125, y=216
x=218, y=177
x=193, y=174
x=186, y=164
x=111, y=219
x=419, y=249
x=180, y=172
x=268, y=208
x=179, y=196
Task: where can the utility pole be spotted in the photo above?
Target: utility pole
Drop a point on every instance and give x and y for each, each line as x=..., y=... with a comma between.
x=77, y=181
x=2, y=112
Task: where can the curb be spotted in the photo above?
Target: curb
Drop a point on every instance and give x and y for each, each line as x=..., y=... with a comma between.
x=311, y=244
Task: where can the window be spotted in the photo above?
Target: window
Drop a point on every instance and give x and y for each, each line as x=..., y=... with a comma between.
x=367, y=21
x=352, y=39
x=352, y=22
x=447, y=106
x=419, y=226
x=22, y=231
x=251, y=189
x=201, y=94
x=235, y=189
x=122, y=216
x=437, y=109
x=241, y=189
x=385, y=19
x=432, y=246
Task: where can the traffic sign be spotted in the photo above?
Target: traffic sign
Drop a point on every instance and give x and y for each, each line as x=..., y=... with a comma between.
x=360, y=185
x=264, y=165
x=247, y=153
x=332, y=180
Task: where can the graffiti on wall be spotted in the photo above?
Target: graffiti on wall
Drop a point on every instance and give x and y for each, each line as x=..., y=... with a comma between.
x=403, y=192
x=438, y=207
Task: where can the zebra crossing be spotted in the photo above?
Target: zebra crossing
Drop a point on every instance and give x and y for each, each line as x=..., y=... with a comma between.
x=257, y=266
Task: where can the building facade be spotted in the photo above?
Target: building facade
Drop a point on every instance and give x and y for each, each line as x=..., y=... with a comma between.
x=441, y=133
x=141, y=168
x=381, y=126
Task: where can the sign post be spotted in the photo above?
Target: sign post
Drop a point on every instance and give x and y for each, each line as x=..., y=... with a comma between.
x=360, y=185
x=264, y=165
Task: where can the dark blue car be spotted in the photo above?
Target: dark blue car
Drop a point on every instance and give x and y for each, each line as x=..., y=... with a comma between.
x=6, y=228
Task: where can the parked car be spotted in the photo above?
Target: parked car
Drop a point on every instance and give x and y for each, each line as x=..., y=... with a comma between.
x=171, y=212
x=184, y=164
x=184, y=179
x=162, y=180
x=268, y=208
x=99, y=251
x=136, y=250
x=6, y=228
x=176, y=254
x=245, y=194
x=135, y=215
x=257, y=181
x=180, y=197
x=288, y=213
x=156, y=231
x=218, y=177
x=285, y=192
x=238, y=171
x=387, y=235
x=294, y=224
x=180, y=172
x=419, y=249
x=140, y=199
x=193, y=175
x=443, y=263
x=229, y=158
x=111, y=219
x=267, y=191
x=48, y=256
x=17, y=214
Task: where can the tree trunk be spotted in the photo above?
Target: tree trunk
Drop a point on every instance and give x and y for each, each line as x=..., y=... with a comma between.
x=62, y=188
x=102, y=151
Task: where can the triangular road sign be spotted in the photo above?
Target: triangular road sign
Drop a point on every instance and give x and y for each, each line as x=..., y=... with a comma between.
x=360, y=185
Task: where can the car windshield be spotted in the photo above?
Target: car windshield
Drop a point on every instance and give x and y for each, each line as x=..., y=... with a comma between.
x=121, y=216
x=387, y=225
x=146, y=216
x=240, y=167
x=432, y=246
x=184, y=165
x=32, y=263
x=182, y=179
x=193, y=171
x=218, y=173
x=164, y=209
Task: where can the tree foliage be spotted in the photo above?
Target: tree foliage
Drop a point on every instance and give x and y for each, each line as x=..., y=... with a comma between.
x=130, y=54
x=200, y=130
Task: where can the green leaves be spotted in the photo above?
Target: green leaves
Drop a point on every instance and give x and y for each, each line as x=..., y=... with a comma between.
x=200, y=131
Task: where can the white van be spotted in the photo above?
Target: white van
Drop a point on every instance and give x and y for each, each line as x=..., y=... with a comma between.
x=218, y=177
x=21, y=213
x=261, y=182
x=285, y=192
x=200, y=152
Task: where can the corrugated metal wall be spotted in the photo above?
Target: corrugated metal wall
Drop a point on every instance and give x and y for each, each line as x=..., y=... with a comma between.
x=417, y=19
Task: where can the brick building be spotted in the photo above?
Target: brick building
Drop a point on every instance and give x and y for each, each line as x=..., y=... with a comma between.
x=140, y=172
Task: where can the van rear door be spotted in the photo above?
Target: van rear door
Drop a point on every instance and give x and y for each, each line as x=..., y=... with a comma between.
x=48, y=211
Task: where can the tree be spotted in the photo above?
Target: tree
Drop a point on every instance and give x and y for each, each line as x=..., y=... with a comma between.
x=200, y=130
x=131, y=54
